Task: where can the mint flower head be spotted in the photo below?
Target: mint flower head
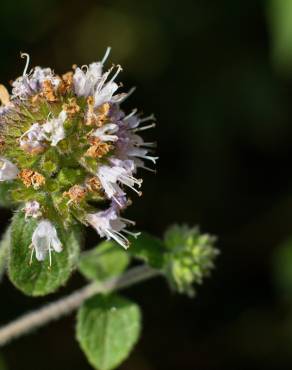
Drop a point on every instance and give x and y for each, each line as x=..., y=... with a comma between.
x=69, y=153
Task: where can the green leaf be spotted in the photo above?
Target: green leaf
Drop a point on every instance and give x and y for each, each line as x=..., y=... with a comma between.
x=4, y=250
x=107, y=260
x=148, y=248
x=282, y=266
x=280, y=24
x=108, y=327
x=38, y=278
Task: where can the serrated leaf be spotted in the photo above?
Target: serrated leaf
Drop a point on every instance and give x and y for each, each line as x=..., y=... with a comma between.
x=4, y=250
x=105, y=261
x=148, y=248
x=108, y=327
x=38, y=278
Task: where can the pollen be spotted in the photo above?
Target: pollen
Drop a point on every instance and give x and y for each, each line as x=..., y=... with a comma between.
x=96, y=117
x=103, y=112
x=31, y=178
x=90, y=117
x=49, y=92
x=76, y=193
x=66, y=83
x=93, y=184
x=98, y=148
x=71, y=108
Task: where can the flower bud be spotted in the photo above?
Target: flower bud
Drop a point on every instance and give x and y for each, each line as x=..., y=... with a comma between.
x=190, y=257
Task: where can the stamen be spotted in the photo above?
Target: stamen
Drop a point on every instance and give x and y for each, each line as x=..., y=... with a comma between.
x=25, y=55
x=136, y=181
x=119, y=238
x=128, y=94
x=134, y=111
x=149, y=118
x=116, y=200
x=147, y=145
x=148, y=169
x=116, y=74
x=107, y=52
x=135, y=190
x=130, y=222
x=144, y=127
x=103, y=79
x=152, y=159
x=135, y=235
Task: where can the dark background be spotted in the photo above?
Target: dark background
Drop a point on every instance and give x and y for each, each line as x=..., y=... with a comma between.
x=217, y=75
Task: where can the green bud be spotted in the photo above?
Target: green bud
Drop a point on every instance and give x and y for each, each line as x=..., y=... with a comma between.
x=189, y=258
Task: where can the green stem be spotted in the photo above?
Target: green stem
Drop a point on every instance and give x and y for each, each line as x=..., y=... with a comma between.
x=64, y=306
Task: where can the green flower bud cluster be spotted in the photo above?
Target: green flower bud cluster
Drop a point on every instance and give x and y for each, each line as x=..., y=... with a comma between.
x=189, y=258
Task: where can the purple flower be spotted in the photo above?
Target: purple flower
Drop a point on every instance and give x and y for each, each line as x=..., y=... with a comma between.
x=109, y=224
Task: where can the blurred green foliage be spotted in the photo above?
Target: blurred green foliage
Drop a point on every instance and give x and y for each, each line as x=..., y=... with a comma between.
x=280, y=21
x=2, y=364
x=282, y=263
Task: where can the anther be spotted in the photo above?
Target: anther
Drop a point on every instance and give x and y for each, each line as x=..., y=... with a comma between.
x=144, y=127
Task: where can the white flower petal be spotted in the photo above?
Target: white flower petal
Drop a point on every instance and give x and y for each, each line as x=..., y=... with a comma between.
x=45, y=239
x=8, y=171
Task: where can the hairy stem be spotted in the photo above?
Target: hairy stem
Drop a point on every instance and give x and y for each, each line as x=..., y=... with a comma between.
x=64, y=306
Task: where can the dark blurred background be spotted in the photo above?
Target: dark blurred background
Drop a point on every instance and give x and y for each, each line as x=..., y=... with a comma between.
x=218, y=76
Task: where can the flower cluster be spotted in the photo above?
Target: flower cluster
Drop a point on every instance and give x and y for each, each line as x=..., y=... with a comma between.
x=69, y=152
x=190, y=257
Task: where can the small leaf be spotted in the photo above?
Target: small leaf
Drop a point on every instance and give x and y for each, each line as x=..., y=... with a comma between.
x=108, y=327
x=39, y=278
x=149, y=249
x=4, y=250
x=105, y=261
